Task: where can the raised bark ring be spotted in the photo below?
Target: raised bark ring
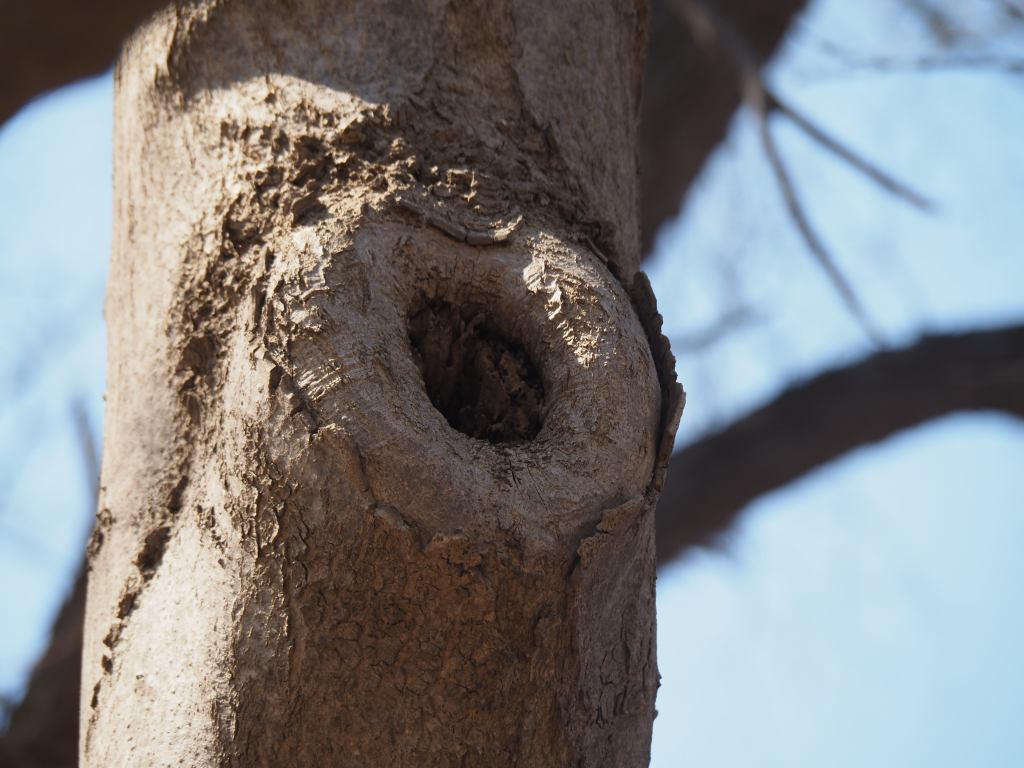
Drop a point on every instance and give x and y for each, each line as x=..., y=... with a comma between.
x=354, y=364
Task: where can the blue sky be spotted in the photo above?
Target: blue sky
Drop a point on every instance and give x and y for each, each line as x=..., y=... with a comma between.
x=869, y=614
x=55, y=221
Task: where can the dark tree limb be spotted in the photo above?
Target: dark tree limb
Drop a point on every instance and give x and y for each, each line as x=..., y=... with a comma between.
x=690, y=95
x=47, y=43
x=43, y=729
x=711, y=482
x=968, y=61
x=732, y=320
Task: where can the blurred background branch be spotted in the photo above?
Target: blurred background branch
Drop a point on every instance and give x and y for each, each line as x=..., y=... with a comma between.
x=815, y=422
x=45, y=44
x=42, y=729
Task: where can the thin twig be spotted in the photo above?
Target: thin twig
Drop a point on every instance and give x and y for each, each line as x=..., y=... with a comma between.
x=937, y=20
x=88, y=444
x=869, y=169
x=928, y=63
x=811, y=238
x=733, y=320
x=55, y=335
x=91, y=463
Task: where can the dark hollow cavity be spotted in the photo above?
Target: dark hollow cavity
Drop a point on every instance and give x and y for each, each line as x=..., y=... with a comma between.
x=484, y=384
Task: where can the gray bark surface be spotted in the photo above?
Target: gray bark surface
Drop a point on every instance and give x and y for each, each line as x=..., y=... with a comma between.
x=388, y=405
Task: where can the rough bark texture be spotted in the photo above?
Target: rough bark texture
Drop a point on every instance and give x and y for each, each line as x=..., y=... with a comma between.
x=329, y=215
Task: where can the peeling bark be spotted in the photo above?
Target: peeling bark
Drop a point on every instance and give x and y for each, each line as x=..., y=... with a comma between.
x=327, y=215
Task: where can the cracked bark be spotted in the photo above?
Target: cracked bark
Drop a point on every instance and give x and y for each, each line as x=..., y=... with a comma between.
x=299, y=559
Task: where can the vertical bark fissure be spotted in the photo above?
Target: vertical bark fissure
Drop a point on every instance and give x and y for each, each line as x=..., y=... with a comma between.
x=338, y=573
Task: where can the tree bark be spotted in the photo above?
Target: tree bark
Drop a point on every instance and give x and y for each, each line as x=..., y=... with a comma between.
x=388, y=403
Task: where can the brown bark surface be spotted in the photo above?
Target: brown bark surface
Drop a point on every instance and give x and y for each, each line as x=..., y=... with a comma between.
x=388, y=405
x=684, y=118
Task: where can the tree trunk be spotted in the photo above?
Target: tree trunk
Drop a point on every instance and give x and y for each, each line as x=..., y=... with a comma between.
x=388, y=405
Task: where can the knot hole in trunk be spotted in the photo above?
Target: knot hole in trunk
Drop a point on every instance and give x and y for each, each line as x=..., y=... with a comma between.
x=484, y=383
